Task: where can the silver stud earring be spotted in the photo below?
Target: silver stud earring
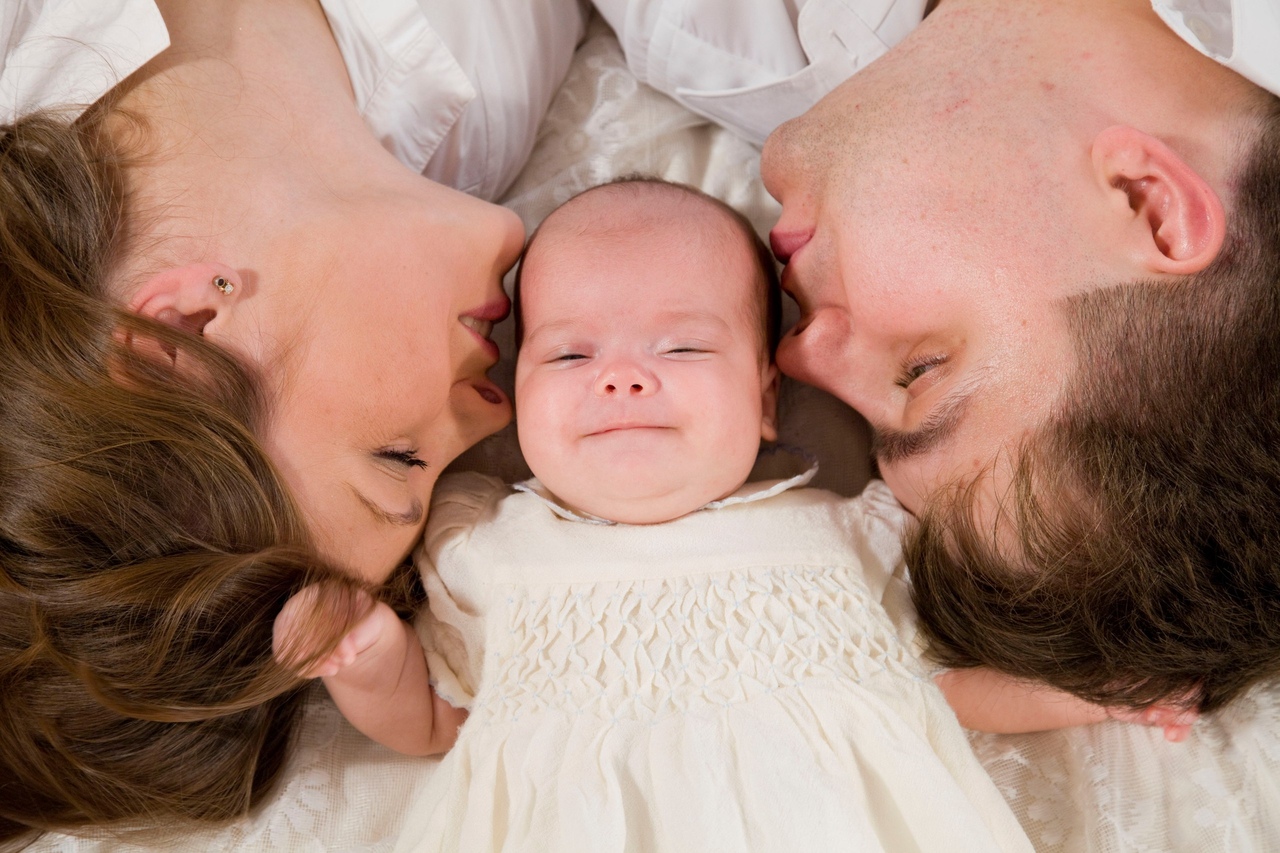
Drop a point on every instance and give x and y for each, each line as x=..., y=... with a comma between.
x=222, y=284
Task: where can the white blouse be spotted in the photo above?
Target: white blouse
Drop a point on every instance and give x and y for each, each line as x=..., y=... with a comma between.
x=432, y=78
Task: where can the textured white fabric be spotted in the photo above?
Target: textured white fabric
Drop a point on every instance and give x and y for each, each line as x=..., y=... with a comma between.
x=724, y=681
x=1111, y=788
x=1117, y=788
x=752, y=64
x=432, y=78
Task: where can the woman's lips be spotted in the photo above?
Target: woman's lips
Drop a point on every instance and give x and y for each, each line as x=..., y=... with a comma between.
x=489, y=392
x=483, y=328
x=480, y=323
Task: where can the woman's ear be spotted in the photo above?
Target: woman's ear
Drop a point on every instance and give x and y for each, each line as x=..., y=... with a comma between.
x=187, y=297
x=190, y=298
x=1175, y=219
x=769, y=403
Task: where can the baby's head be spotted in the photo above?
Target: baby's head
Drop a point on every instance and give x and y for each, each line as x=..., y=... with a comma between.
x=647, y=317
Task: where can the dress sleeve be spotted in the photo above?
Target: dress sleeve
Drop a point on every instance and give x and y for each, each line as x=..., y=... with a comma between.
x=884, y=524
x=452, y=625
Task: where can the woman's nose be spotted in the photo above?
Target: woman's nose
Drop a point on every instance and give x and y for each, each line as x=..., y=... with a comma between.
x=625, y=377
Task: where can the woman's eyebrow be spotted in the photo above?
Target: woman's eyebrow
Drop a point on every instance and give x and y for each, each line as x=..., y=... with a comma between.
x=410, y=517
x=891, y=445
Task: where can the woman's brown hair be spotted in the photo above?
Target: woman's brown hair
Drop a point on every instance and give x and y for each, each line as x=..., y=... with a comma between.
x=146, y=543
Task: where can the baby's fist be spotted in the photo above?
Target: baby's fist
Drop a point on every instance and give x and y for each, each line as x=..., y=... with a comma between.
x=294, y=643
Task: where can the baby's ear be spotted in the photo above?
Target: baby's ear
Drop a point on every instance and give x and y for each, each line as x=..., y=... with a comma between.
x=769, y=403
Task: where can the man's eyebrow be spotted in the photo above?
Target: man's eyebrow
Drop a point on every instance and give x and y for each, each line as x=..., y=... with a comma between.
x=409, y=518
x=891, y=445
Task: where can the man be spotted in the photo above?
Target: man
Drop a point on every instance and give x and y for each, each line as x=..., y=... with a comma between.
x=1035, y=245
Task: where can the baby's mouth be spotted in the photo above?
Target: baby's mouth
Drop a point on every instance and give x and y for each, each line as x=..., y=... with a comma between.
x=608, y=429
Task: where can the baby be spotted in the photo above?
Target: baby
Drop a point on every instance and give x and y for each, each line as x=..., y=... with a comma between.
x=655, y=653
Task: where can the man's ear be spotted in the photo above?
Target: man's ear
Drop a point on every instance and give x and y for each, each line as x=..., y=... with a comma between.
x=192, y=298
x=1175, y=219
x=769, y=403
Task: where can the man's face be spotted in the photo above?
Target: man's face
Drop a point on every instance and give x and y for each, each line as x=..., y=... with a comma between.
x=937, y=208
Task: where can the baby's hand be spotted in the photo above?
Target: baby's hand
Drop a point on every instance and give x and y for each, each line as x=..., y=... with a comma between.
x=292, y=646
x=1174, y=719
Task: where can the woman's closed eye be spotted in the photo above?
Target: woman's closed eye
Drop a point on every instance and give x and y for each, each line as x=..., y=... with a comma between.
x=407, y=458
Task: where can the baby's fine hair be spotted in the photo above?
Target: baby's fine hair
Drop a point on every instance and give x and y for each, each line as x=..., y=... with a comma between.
x=769, y=300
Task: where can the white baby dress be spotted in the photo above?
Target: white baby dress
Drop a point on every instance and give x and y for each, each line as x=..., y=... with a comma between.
x=727, y=681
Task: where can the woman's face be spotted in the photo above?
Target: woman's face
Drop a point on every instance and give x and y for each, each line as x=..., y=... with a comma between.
x=374, y=338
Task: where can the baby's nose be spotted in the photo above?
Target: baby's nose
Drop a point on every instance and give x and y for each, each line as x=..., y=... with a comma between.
x=625, y=378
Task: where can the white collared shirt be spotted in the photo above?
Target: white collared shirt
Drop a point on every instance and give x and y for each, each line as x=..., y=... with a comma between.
x=454, y=88
x=752, y=64
x=1243, y=35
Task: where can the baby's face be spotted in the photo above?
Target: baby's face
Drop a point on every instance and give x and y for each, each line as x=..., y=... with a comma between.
x=641, y=393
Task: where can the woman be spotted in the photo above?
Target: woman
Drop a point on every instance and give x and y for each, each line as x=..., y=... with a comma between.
x=239, y=341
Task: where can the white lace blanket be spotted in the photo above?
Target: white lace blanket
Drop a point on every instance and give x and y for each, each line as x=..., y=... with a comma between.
x=1103, y=789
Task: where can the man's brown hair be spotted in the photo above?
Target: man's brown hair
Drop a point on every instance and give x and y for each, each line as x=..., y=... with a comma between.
x=1147, y=511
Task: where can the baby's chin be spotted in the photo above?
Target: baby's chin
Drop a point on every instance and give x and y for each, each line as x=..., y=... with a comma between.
x=648, y=508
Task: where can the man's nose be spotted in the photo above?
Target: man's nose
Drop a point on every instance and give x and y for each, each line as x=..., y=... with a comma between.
x=625, y=377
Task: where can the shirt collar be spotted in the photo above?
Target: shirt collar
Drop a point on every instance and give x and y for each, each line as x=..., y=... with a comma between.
x=408, y=86
x=1241, y=35
x=784, y=467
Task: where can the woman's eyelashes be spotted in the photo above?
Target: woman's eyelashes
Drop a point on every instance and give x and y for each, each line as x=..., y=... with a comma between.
x=407, y=458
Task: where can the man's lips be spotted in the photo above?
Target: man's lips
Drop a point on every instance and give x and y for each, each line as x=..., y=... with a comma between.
x=787, y=243
x=480, y=322
x=493, y=311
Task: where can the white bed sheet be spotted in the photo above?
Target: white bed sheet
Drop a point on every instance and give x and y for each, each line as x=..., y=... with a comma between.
x=1111, y=788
